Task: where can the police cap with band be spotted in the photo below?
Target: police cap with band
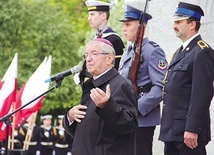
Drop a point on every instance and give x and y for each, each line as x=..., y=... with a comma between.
x=94, y=5
x=132, y=13
x=187, y=10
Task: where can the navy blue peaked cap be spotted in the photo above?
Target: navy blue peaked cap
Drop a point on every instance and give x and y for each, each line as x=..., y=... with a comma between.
x=187, y=10
x=132, y=13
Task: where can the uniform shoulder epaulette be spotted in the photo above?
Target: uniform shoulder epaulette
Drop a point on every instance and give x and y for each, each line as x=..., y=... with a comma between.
x=153, y=43
x=202, y=44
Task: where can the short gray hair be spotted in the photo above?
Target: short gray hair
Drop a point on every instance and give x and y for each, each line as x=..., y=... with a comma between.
x=104, y=47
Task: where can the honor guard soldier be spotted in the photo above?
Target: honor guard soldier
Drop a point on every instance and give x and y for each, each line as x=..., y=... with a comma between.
x=98, y=15
x=29, y=134
x=17, y=141
x=150, y=73
x=48, y=136
x=188, y=90
x=2, y=146
x=64, y=142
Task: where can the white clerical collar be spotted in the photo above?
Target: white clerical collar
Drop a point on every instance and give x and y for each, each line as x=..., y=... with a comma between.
x=96, y=77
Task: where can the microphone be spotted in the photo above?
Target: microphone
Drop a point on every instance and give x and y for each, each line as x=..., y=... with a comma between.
x=59, y=76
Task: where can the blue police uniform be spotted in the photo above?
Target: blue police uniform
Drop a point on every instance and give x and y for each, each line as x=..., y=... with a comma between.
x=150, y=74
x=188, y=91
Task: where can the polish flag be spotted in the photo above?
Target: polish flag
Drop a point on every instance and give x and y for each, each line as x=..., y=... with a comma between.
x=33, y=88
x=8, y=87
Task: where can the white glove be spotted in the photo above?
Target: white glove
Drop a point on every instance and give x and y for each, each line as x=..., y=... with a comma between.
x=2, y=150
x=15, y=133
x=61, y=132
x=37, y=152
x=46, y=134
x=76, y=78
x=69, y=153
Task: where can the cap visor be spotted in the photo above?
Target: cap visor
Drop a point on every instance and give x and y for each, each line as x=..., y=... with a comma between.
x=126, y=19
x=178, y=17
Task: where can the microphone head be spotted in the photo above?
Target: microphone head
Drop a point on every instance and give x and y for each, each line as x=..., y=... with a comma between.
x=76, y=69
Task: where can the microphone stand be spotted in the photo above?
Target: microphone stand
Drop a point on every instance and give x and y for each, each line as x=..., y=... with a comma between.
x=6, y=118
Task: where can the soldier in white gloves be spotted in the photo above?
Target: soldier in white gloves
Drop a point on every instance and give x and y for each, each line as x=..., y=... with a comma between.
x=64, y=141
x=34, y=133
x=48, y=135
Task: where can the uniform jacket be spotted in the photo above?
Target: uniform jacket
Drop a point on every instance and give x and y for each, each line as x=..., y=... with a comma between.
x=110, y=130
x=35, y=137
x=152, y=69
x=188, y=93
x=51, y=138
x=63, y=143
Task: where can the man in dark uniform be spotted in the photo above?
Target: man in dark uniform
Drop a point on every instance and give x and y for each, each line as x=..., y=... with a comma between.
x=188, y=90
x=150, y=74
x=30, y=143
x=98, y=15
x=15, y=143
x=48, y=136
x=105, y=120
x=64, y=142
x=2, y=146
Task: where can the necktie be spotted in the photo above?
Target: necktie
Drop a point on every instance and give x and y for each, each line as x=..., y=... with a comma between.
x=129, y=49
x=179, y=51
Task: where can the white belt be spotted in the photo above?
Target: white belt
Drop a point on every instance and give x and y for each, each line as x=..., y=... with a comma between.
x=15, y=141
x=61, y=145
x=31, y=143
x=47, y=143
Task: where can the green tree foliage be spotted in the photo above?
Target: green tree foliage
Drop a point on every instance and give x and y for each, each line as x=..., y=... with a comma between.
x=35, y=29
x=38, y=28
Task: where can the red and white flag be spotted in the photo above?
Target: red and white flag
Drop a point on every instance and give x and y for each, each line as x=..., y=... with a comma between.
x=34, y=87
x=8, y=87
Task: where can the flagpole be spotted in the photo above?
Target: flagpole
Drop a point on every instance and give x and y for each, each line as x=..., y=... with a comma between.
x=6, y=118
x=30, y=129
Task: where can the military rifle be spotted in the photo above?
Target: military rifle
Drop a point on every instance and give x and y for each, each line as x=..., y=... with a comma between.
x=136, y=57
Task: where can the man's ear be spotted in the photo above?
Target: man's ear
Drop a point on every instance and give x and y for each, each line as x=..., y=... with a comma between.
x=110, y=58
x=193, y=25
x=104, y=16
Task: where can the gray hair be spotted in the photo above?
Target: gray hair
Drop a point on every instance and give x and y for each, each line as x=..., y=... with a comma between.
x=104, y=47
